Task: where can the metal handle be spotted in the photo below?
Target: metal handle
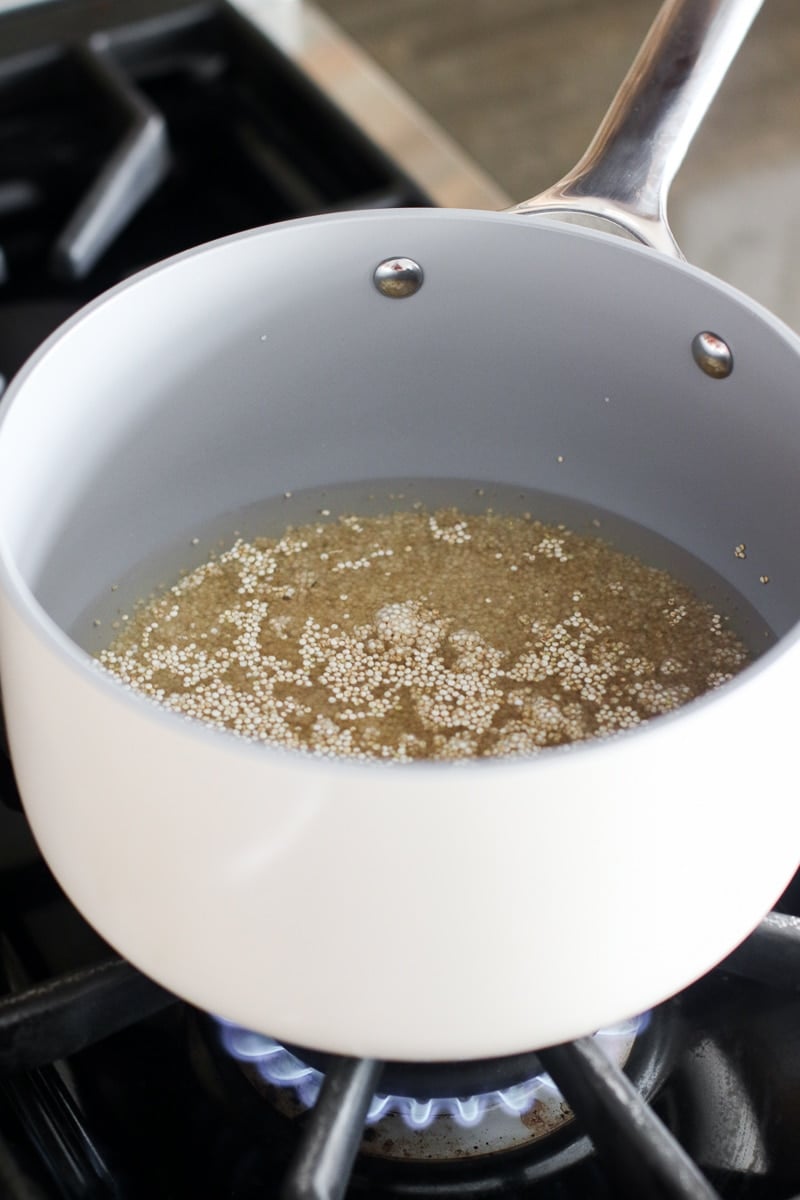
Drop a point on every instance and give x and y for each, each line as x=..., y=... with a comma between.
x=625, y=174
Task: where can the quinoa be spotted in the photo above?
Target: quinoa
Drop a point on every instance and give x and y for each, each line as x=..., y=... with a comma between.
x=422, y=634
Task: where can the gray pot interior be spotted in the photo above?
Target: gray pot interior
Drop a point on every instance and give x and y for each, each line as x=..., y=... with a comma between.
x=537, y=356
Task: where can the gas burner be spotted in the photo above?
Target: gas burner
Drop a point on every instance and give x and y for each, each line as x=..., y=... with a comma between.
x=435, y=1112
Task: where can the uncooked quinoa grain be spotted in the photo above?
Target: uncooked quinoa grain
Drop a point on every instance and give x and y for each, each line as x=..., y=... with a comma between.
x=425, y=635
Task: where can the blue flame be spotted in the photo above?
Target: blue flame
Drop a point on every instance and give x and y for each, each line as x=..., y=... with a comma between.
x=279, y=1067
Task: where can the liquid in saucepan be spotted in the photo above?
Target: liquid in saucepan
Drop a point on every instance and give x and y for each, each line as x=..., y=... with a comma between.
x=432, y=620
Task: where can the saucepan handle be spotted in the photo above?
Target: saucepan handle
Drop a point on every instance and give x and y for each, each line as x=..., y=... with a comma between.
x=625, y=174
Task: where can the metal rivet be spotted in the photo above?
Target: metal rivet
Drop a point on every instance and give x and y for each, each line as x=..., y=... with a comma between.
x=712, y=355
x=398, y=277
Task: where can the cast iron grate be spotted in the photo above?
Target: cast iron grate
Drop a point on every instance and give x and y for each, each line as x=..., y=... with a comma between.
x=640, y=1154
x=46, y=1023
x=124, y=143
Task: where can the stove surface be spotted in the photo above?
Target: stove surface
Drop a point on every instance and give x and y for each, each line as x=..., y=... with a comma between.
x=127, y=133
x=132, y=133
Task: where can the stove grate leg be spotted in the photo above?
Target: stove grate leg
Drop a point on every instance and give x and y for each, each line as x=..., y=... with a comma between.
x=324, y=1159
x=637, y=1149
x=771, y=954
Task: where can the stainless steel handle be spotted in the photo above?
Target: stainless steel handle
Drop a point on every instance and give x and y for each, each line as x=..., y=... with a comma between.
x=625, y=174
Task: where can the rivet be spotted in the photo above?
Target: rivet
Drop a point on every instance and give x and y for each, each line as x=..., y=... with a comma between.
x=712, y=355
x=398, y=277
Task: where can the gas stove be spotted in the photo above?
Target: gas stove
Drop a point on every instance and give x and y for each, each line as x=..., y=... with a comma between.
x=129, y=132
x=109, y=1086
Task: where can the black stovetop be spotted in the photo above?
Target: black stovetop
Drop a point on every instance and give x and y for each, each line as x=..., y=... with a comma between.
x=132, y=130
x=129, y=131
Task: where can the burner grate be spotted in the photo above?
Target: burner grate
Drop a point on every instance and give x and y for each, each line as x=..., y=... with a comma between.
x=123, y=144
x=76, y=138
x=639, y=1152
x=46, y=1023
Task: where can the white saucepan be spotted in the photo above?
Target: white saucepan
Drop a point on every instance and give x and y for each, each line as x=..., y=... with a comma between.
x=433, y=910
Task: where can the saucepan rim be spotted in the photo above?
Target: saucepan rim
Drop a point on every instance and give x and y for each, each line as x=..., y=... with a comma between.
x=59, y=642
